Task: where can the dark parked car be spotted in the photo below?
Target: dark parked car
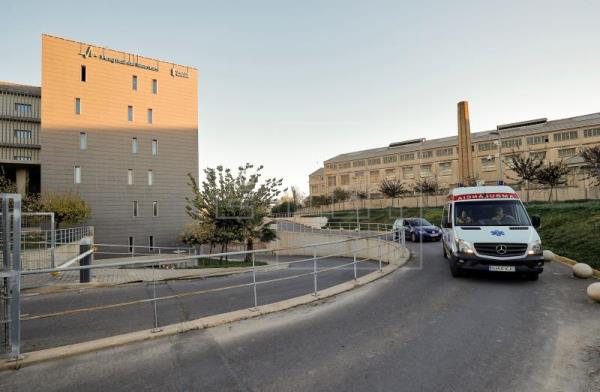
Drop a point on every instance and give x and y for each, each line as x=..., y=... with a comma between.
x=417, y=229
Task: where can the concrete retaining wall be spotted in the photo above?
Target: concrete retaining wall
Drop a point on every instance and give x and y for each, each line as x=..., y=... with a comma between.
x=371, y=248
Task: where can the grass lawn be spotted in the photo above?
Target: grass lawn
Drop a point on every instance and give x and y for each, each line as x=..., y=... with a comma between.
x=570, y=229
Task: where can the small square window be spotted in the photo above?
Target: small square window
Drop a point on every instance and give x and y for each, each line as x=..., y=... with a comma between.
x=129, y=113
x=23, y=135
x=83, y=141
x=77, y=175
x=83, y=73
x=134, y=82
x=134, y=145
x=77, y=106
x=23, y=107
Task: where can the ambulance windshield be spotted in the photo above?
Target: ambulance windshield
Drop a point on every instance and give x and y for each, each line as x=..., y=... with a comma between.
x=490, y=213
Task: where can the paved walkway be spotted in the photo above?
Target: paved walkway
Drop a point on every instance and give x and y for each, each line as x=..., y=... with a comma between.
x=114, y=276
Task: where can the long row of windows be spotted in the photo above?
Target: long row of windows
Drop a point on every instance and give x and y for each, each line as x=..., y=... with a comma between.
x=513, y=143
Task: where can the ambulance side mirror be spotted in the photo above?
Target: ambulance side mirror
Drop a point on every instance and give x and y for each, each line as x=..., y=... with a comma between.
x=446, y=223
x=535, y=221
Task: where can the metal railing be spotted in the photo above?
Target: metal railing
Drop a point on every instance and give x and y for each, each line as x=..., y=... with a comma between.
x=346, y=258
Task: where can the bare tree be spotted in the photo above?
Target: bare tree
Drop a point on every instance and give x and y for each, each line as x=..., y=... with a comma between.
x=426, y=186
x=526, y=168
x=552, y=175
x=392, y=188
x=591, y=157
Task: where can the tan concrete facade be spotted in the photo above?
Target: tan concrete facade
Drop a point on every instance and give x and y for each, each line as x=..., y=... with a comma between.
x=554, y=140
x=122, y=131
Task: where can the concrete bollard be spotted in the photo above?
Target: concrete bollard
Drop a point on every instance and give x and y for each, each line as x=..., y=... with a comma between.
x=582, y=271
x=549, y=255
x=593, y=291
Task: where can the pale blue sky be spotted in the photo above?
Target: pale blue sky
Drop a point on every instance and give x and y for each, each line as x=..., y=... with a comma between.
x=291, y=83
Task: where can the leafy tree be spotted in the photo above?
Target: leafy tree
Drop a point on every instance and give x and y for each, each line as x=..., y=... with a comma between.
x=198, y=233
x=526, y=168
x=316, y=201
x=591, y=157
x=340, y=195
x=552, y=175
x=392, y=188
x=6, y=185
x=285, y=206
x=68, y=208
x=235, y=205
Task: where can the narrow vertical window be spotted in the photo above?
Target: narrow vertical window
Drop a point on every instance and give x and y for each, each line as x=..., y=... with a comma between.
x=134, y=145
x=154, y=86
x=77, y=106
x=129, y=113
x=129, y=176
x=134, y=82
x=83, y=73
x=150, y=178
x=151, y=242
x=154, y=147
x=135, y=208
x=131, y=244
x=77, y=175
x=149, y=116
x=83, y=141
x=154, y=208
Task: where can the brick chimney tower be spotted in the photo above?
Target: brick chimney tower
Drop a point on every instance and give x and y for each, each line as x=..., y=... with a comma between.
x=465, y=154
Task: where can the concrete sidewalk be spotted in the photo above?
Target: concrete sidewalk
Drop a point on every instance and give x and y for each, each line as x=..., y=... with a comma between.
x=116, y=276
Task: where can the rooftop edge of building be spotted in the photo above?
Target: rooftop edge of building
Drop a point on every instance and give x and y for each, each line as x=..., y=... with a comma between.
x=118, y=50
x=22, y=89
x=549, y=126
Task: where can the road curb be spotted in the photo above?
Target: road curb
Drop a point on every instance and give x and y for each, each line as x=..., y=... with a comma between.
x=570, y=262
x=35, y=357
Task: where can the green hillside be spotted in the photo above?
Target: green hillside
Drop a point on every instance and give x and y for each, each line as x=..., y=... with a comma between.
x=570, y=229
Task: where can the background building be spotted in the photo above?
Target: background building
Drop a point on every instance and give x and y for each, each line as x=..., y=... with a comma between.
x=20, y=135
x=119, y=129
x=363, y=171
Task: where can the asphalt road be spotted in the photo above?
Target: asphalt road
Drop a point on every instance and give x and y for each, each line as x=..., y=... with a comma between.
x=77, y=327
x=417, y=329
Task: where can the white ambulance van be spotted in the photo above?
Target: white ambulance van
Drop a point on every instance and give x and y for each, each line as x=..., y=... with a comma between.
x=487, y=228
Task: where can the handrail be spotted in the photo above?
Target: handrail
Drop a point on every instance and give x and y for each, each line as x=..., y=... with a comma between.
x=187, y=258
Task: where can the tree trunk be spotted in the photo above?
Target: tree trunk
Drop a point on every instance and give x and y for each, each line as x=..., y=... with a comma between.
x=249, y=247
x=550, y=198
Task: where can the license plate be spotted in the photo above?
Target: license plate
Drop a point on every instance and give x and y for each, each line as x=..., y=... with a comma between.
x=434, y=235
x=502, y=268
